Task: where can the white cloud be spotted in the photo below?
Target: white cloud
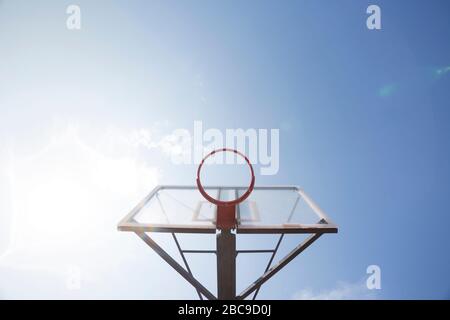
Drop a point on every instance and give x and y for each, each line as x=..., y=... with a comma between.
x=153, y=138
x=342, y=291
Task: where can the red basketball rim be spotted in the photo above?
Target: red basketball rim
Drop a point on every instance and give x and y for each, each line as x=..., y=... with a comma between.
x=219, y=202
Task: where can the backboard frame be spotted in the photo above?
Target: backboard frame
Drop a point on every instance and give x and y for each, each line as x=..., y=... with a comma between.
x=324, y=225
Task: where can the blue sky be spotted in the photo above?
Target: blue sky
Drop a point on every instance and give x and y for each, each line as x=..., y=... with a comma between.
x=363, y=118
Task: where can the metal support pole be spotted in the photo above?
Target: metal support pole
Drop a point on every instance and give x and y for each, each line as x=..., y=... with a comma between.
x=226, y=265
x=283, y=262
x=174, y=264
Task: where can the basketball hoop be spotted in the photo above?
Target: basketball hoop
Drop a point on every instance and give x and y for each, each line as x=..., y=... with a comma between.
x=282, y=207
x=226, y=210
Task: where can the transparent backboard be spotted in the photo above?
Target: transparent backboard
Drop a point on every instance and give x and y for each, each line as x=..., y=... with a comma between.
x=182, y=209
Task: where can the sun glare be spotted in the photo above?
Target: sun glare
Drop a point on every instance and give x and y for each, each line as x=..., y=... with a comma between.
x=66, y=192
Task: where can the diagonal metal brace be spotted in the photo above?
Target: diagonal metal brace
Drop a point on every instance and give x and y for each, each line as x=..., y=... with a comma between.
x=174, y=264
x=283, y=262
